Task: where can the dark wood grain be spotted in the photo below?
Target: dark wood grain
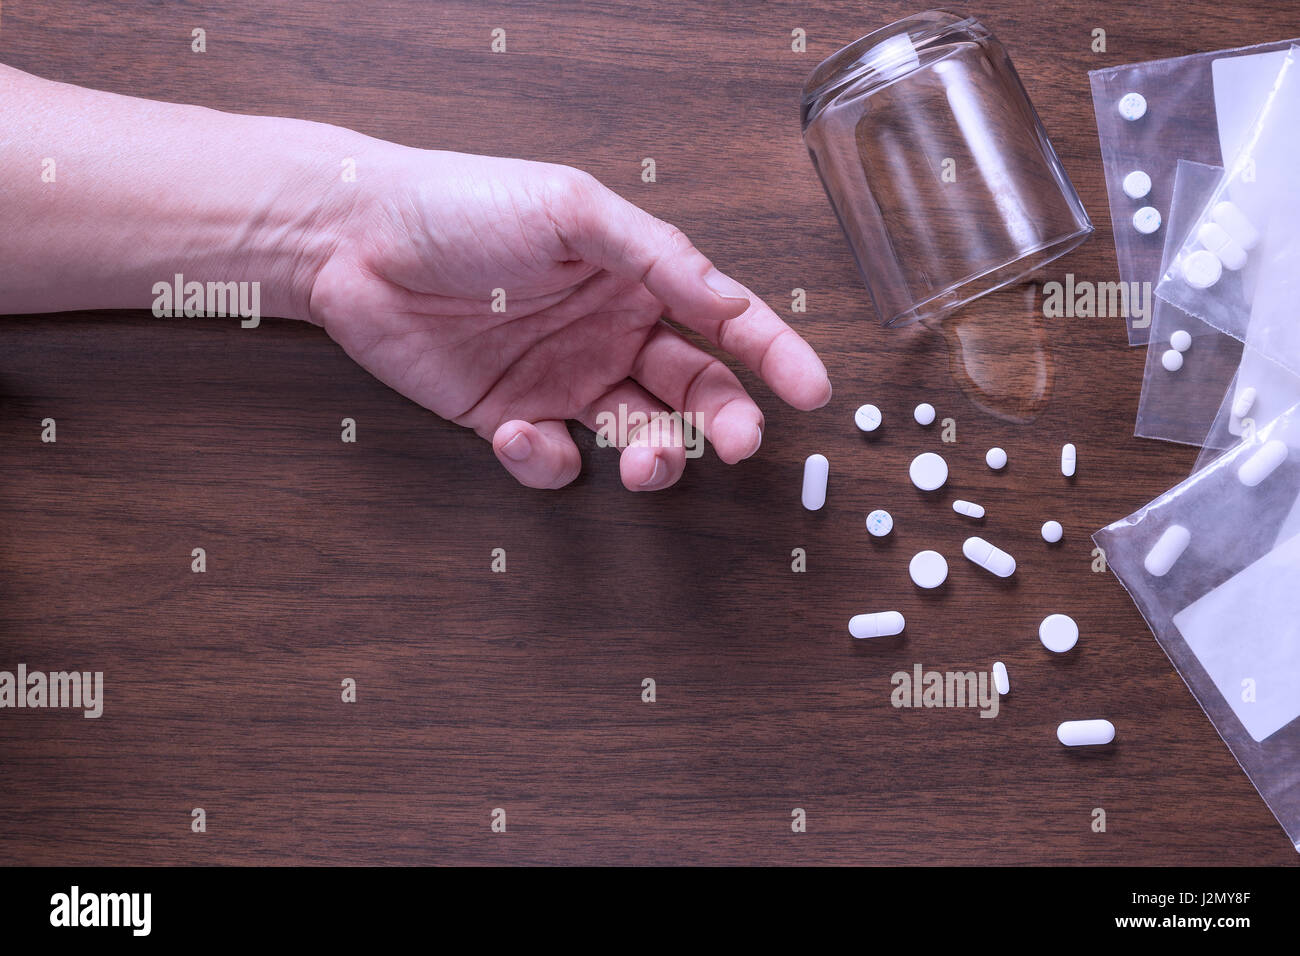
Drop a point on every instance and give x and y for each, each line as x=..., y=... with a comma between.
x=523, y=690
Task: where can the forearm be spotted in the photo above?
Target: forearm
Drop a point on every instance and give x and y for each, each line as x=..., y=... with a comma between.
x=106, y=195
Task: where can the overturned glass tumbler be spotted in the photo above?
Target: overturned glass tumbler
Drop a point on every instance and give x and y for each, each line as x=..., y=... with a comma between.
x=937, y=166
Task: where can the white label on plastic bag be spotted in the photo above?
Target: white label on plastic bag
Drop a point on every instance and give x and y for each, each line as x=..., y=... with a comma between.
x=1246, y=634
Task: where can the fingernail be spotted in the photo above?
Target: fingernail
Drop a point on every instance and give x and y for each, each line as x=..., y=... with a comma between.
x=517, y=448
x=725, y=287
x=829, y=392
x=657, y=475
x=758, y=441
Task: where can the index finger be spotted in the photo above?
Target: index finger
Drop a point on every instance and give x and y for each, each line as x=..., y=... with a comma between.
x=607, y=231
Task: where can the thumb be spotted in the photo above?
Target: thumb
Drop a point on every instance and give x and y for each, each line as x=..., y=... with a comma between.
x=540, y=455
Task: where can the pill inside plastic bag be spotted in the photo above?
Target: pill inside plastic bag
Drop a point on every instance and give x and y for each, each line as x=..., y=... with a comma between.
x=1267, y=380
x=1198, y=108
x=1226, y=253
x=1211, y=564
x=1182, y=405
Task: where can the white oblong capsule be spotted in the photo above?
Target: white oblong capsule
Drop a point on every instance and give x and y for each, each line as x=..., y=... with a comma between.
x=968, y=508
x=1000, y=679
x=1169, y=547
x=1085, y=733
x=1216, y=239
x=1244, y=402
x=1069, y=457
x=879, y=624
x=1232, y=256
x=1263, y=463
x=1235, y=223
x=991, y=559
x=816, y=469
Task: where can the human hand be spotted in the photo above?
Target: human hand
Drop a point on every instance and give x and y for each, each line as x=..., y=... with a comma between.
x=407, y=289
x=400, y=267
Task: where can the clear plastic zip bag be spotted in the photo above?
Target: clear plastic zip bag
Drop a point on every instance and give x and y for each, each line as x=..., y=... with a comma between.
x=1267, y=379
x=1197, y=107
x=1182, y=404
x=1212, y=564
x=1260, y=391
x=1226, y=253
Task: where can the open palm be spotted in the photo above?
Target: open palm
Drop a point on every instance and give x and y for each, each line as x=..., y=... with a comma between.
x=511, y=297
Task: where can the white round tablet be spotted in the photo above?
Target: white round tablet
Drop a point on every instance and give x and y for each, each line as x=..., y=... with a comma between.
x=880, y=523
x=928, y=471
x=924, y=413
x=1172, y=360
x=1202, y=269
x=1181, y=340
x=1058, y=633
x=1136, y=184
x=1052, y=531
x=996, y=459
x=1132, y=106
x=867, y=418
x=928, y=569
x=1146, y=220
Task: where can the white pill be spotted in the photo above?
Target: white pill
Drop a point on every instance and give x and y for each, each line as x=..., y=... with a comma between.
x=1069, y=457
x=923, y=413
x=1146, y=220
x=879, y=624
x=928, y=471
x=988, y=557
x=1132, y=106
x=867, y=418
x=1216, y=239
x=1202, y=269
x=1085, y=733
x=1052, y=531
x=880, y=523
x=815, y=471
x=1263, y=463
x=1244, y=402
x=1169, y=547
x=968, y=508
x=1058, y=632
x=928, y=569
x=1137, y=184
x=996, y=459
x=1000, y=679
x=1235, y=222
x=1181, y=340
x=1172, y=360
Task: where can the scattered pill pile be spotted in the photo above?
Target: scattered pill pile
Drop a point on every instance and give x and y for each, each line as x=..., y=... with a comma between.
x=928, y=569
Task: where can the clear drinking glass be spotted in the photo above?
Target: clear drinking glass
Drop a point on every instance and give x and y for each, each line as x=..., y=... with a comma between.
x=937, y=166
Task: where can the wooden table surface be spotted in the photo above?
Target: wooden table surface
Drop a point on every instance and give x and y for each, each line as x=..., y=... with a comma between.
x=523, y=690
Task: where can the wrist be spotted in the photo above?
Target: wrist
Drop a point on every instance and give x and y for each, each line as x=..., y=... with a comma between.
x=299, y=210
